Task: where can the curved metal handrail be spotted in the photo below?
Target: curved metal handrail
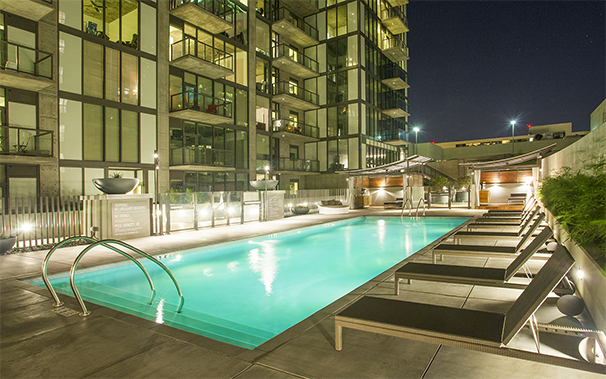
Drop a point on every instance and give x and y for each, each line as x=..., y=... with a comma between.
x=408, y=200
x=418, y=205
x=72, y=271
x=58, y=303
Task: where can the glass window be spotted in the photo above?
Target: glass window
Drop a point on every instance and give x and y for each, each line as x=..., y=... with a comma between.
x=70, y=130
x=241, y=107
x=148, y=83
x=92, y=16
x=130, y=136
x=93, y=70
x=343, y=161
x=130, y=23
x=70, y=63
x=112, y=135
x=112, y=20
x=71, y=181
x=70, y=13
x=92, y=128
x=262, y=37
x=112, y=74
x=148, y=29
x=148, y=137
x=241, y=149
x=130, y=79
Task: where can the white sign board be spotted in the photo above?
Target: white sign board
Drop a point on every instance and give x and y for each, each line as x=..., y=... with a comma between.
x=130, y=219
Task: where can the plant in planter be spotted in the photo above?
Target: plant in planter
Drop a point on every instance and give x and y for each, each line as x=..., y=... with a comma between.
x=578, y=202
x=300, y=210
x=7, y=242
x=116, y=185
x=438, y=183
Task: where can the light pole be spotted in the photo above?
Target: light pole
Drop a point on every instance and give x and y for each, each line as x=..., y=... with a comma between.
x=513, y=141
x=416, y=130
x=156, y=200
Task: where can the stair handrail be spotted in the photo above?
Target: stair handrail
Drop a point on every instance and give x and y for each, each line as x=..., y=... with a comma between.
x=72, y=271
x=408, y=199
x=418, y=205
x=49, y=286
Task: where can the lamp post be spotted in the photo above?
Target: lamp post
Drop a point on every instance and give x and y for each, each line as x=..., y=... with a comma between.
x=513, y=141
x=156, y=200
x=416, y=130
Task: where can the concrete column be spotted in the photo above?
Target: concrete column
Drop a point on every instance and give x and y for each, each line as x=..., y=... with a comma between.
x=163, y=88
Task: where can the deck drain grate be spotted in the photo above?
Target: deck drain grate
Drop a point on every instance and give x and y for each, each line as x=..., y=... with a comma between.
x=63, y=311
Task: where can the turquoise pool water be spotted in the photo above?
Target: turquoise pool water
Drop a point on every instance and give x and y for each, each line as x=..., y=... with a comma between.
x=246, y=292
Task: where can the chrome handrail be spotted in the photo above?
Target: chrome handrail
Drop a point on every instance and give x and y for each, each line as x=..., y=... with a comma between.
x=72, y=271
x=58, y=303
x=408, y=199
x=418, y=205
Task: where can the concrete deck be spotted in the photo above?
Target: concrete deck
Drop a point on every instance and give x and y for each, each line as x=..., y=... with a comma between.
x=36, y=341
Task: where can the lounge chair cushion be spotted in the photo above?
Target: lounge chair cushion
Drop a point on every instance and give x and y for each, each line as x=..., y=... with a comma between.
x=445, y=271
x=477, y=248
x=467, y=323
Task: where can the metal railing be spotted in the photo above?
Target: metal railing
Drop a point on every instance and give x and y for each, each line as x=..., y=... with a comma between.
x=196, y=155
x=393, y=70
x=296, y=56
x=393, y=100
x=25, y=59
x=285, y=125
x=196, y=101
x=306, y=165
x=17, y=140
x=285, y=14
x=192, y=47
x=39, y=221
x=288, y=88
x=394, y=42
x=221, y=8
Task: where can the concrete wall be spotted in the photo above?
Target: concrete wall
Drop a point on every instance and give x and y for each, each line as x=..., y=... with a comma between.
x=326, y=181
x=598, y=116
x=503, y=150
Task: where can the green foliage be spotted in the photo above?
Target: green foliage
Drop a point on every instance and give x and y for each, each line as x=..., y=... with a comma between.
x=182, y=198
x=116, y=174
x=578, y=201
x=464, y=181
x=439, y=182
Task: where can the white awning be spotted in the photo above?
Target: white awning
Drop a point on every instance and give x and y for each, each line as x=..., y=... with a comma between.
x=394, y=168
x=510, y=161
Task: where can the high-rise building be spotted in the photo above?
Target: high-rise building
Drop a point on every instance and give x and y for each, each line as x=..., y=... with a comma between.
x=219, y=89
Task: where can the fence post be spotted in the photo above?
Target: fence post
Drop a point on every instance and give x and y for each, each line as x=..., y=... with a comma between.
x=194, y=207
x=212, y=209
x=167, y=211
x=227, y=207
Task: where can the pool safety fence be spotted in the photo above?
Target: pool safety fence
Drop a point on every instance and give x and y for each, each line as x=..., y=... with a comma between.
x=310, y=198
x=40, y=221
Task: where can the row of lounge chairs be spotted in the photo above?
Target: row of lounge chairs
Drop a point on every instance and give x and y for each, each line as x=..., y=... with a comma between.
x=474, y=329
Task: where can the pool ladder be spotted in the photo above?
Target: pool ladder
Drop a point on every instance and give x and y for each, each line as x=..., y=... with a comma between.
x=408, y=200
x=106, y=243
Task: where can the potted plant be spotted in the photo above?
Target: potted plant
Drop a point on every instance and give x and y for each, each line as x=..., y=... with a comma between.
x=300, y=210
x=116, y=185
x=7, y=242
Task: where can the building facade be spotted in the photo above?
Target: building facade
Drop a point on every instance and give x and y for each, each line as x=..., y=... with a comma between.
x=198, y=95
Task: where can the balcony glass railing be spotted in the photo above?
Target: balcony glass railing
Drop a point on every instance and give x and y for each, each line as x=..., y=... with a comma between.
x=394, y=12
x=220, y=8
x=288, y=88
x=193, y=47
x=393, y=100
x=392, y=135
x=196, y=155
x=394, y=42
x=307, y=165
x=296, y=56
x=17, y=140
x=284, y=14
x=297, y=128
x=195, y=101
x=25, y=59
x=394, y=71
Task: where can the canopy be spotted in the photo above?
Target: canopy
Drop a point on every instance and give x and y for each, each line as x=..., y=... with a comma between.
x=510, y=161
x=390, y=168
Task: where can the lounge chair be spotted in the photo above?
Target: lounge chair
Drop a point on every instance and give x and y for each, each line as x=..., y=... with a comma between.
x=467, y=328
x=510, y=217
x=332, y=207
x=484, y=276
x=511, y=212
x=503, y=222
x=532, y=222
x=484, y=250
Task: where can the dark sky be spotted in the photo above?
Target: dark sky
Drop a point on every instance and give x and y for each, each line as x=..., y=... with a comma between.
x=476, y=65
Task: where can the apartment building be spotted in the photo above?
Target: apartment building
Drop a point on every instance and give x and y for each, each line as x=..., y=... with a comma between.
x=198, y=95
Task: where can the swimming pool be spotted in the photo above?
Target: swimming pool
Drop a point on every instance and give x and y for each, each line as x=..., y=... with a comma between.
x=247, y=292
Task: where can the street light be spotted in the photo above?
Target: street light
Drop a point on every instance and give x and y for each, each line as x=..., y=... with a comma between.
x=513, y=141
x=416, y=130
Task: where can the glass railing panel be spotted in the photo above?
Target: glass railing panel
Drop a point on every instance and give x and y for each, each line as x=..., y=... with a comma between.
x=26, y=141
x=294, y=90
x=25, y=59
x=221, y=8
x=195, y=101
x=296, y=127
x=193, y=47
x=296, y=56
x=285, y=14
x=194, y=155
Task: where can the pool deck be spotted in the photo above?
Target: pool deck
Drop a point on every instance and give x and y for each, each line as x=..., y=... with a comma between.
x=37, y=341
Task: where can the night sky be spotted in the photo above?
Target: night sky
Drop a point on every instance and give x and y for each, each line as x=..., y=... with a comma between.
x=476, y=65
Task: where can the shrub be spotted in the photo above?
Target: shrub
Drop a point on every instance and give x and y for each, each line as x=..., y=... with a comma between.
x=438, y=182
x=578, y=201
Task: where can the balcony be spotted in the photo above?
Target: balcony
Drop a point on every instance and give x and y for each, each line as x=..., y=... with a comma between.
x=295, y=62
x=394, y=137
x=21, y=141
x=215, y=16
x=192, y=55
x=193, y=106
x=301, y=165
x=25, y=68
x=297, y=128
x=30, y=9
x=201, y=156
x=395, y=49
x=394, y=20
x=294, y=96
x=288, y=25
x=397, y=3
x=303, y=8
x=394, y=76
x=395, y=105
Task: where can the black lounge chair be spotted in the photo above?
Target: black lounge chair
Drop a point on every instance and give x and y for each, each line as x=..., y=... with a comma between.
x=532, y=222
x=508, y=222
x=483, y=276
x=510, y=212
x=466, y=328
x=483, y=250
